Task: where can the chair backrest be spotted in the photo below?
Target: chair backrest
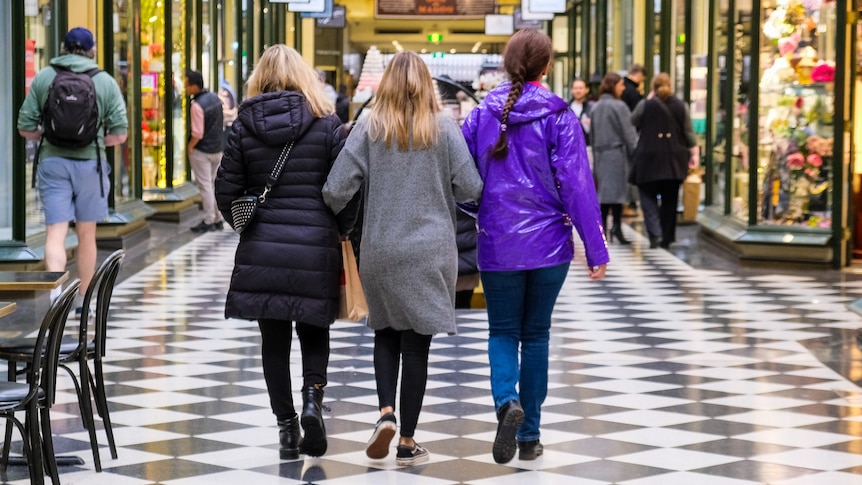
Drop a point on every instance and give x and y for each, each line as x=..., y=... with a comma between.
x=103, y=300
x=46, y=351
x=95, y=288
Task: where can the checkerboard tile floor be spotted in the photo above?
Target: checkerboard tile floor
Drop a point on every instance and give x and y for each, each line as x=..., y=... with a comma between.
x=660, y=375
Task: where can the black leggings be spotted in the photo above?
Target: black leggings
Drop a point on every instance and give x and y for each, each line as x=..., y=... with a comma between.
x=314, y=345
x=391, y=346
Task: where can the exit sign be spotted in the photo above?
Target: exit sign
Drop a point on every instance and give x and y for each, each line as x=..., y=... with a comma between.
x=435, y=37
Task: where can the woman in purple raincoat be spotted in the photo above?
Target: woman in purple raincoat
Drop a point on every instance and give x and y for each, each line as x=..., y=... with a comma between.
x=530, y=151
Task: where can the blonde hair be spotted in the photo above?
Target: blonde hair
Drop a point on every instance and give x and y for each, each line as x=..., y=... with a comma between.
x=406, y=105
x=281, y=68
x=661, y=86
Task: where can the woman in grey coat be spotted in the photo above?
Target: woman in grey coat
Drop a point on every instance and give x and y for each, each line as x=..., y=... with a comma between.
x=412, y=164
x=614, y=141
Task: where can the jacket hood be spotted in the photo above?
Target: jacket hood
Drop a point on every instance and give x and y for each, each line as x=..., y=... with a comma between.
x=74, y=62
x=534, y=103
x=276, y=118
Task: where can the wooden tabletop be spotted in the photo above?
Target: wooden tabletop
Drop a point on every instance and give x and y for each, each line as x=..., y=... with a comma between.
x=6, y=308
x=31, y=280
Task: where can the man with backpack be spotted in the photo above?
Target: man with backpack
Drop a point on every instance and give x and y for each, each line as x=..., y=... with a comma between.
x=74, y=111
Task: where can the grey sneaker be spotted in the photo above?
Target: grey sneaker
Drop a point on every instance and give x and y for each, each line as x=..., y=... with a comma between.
x=408, y=456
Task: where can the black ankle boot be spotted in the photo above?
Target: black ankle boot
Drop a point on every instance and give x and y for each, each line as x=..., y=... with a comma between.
x=654, y=242
x=289, y=439
x=617, y=232
x=314, y=442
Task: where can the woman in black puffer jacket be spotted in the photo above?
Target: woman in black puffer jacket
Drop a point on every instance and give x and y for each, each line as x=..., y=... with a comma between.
x=288, y=262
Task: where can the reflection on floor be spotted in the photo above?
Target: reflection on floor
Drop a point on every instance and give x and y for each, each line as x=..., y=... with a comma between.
x=660, y=374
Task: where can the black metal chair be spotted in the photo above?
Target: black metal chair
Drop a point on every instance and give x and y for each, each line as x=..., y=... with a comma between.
x=36, y=396
x=87, y=345
x=91, y=346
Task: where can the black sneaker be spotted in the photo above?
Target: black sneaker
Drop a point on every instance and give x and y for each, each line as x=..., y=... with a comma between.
x=202, y=228
x=509, y=419
x=408, y=456
x=378, y=445
x=530, y=450
x=218, y=226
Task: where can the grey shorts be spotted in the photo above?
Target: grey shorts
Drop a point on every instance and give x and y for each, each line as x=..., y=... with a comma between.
x=69, y=190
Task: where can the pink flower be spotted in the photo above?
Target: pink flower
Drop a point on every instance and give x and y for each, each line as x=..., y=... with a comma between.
x=811, y=173
x=823, y=72
x=795, y=160
x=814, y=160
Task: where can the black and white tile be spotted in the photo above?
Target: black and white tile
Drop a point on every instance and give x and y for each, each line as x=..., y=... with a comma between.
x=661, y=374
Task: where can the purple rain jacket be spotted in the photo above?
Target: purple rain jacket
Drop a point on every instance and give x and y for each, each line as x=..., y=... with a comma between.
x=533, y=197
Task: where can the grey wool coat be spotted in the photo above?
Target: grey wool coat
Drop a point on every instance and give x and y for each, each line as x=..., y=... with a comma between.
x=614, y=140
x=408, y=257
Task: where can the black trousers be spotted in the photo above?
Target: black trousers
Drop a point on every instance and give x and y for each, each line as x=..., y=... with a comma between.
x=314, y=345
x=391, y=347
x=660, y=220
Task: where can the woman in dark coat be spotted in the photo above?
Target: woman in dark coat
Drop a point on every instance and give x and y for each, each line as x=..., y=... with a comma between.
x=614, y=141
x=661, y=159
x=288, y=262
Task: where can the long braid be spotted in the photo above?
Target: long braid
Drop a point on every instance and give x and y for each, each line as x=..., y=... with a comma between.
x=501, y=149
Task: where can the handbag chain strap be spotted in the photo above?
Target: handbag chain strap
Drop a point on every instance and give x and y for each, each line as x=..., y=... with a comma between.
x=276, y=171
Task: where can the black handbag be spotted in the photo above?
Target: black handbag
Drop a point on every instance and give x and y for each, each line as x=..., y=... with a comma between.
x=244, y=207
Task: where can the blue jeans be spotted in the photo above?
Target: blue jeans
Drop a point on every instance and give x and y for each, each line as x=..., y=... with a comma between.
x=520, y=304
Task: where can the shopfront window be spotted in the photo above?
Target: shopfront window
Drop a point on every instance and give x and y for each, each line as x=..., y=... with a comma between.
x=38, y=53
x=7, y=131
x=154, y=89
x=741, y=43
x=178, y=69
x=123, y=172
x=679, y=41
x=162, y=94
x=795, y=160
x=721, y=119
x=699, y=69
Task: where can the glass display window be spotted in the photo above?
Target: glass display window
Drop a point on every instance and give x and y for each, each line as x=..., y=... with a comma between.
x=721, y=118
x=739, y=103
x=39, y=51
x=796, y=110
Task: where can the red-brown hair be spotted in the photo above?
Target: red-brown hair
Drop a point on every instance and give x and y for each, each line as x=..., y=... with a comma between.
x=526, y=56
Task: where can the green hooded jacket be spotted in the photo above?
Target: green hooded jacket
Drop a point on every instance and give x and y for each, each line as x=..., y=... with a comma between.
x=112, y=107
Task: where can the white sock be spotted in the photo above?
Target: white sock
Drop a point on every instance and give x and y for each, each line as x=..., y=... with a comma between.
x=79, y=301
x=55, y=293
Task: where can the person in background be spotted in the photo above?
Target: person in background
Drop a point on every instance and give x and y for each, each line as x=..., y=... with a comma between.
x=614, y=142
x=468, y=270
x=634, y=78
x=581, y=105
x=530, y=151
x=73, y=183
x=229, y=106
x=328, y=91
x=662, y=158
x=632, y=96
x=288, y=261
x=412, y=164
x=205, y=147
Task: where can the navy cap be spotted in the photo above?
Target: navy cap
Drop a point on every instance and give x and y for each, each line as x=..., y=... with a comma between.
x=79, y=38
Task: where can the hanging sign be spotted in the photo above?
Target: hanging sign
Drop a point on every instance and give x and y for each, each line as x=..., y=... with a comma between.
x=338, y=19
x=433, y=8
x=528, y=14
x=548, y=6
x=521, y=23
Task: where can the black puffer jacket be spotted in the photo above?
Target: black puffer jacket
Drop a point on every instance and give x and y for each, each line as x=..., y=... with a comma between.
x=288, y=262
x=465, y=238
